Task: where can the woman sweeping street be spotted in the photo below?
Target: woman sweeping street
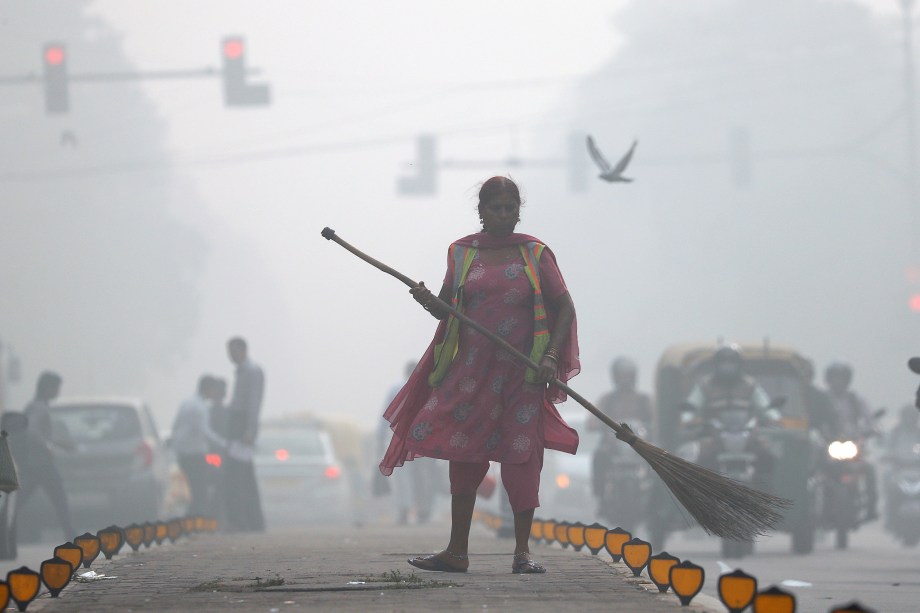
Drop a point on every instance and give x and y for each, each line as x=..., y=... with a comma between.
x=469, y=401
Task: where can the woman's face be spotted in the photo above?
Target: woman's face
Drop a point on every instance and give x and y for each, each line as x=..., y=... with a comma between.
x=500, y=214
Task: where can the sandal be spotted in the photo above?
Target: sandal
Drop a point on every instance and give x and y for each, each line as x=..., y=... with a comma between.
x=436, y=564
x=524, y=565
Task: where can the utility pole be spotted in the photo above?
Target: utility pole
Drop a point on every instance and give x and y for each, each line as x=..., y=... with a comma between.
x=910, y=101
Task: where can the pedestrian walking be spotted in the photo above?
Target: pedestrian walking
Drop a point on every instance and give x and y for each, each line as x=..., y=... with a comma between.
x=412, y=488
x=37, y=468
x=468, y=401
x=192, y=440
x=241, y=491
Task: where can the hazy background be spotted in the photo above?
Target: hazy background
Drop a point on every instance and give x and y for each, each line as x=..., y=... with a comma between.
x=126, y=261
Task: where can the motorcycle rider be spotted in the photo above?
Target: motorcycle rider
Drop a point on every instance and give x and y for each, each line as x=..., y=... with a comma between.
x=822, y=416
x=624, y=404
x=728, y=387
x=855, y=422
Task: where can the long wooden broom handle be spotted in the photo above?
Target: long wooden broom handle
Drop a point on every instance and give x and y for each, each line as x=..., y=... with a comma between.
x=623, y=432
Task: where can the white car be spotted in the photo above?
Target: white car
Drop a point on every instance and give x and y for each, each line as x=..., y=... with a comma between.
x=300, y=479
x=112, y=462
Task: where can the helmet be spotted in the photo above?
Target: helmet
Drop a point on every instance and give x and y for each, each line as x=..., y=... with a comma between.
x=624, y=366
x=727, y=363
x=624, y=373
x=839, y=371
x=728, y=353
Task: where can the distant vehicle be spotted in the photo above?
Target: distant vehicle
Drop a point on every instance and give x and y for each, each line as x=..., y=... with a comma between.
x=12, y=423
x=300, y=478
x=844, y=498
x=112, y=462
x=781, y=371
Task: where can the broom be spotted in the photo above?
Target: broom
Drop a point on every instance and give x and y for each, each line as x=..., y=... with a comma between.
x=721, y=506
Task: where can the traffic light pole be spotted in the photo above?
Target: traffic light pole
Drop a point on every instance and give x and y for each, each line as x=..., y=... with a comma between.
x=142, y=75
x=910, y=101
x=234, y=73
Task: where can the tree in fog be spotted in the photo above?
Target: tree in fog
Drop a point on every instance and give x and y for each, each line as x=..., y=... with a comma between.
x=98, y=276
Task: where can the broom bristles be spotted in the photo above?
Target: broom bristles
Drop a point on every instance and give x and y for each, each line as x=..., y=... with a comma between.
x=722, y=506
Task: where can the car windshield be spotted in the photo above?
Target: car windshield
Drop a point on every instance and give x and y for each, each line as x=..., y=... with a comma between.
x=294, y=441
x=89, y=424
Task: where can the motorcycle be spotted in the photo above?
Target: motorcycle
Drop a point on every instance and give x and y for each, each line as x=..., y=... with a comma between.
x=733, y=431
x=621, y=481
x=844, y=499
x=903, y=494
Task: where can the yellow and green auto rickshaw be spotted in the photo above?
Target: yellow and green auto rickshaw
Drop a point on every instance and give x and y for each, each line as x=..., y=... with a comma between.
x=784, y=374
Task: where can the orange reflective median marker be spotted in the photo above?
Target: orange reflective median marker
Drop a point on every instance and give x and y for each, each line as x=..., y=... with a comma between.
x=659, y=570
x=71, y=553
x=549, y=531
x=56, y=573
x=774, y=600
x=24, y=584
x=576, y=534
x=737, y=590
x=636, y=554
x=594, y=537
x=111, y=540
x=90, y=545
x=134, y=536
x=687, y=580
x=562, y=533
x=614, y=541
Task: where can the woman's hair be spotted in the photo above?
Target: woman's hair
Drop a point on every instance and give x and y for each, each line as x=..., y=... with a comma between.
x=497, y=186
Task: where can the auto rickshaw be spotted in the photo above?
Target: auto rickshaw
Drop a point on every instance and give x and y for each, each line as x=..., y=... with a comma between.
x=783, y=373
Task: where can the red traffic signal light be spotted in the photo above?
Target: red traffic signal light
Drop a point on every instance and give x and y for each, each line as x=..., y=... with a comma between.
x=237, y=91
x=54, y=55
x=57, y=94
x=915, y=303
x=233, y=48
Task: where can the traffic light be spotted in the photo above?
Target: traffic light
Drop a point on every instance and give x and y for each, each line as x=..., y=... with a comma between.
x=57, y=96
x=915, y=302
x=425, y=180
x=237, y=92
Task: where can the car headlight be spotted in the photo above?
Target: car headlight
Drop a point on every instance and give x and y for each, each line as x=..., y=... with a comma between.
x=563, y=481
x=843, y=450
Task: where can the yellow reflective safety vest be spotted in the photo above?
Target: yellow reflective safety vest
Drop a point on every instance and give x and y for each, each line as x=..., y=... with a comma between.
x=462, y=258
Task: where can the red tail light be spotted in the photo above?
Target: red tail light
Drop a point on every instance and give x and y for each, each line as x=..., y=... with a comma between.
x=144, y=453
x=332, y=472
x=213, y=459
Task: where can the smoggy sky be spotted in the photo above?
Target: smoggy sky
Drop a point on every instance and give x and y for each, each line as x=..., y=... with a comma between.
x=353, y=84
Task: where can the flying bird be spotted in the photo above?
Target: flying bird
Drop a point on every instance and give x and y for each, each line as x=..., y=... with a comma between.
x=614, y=174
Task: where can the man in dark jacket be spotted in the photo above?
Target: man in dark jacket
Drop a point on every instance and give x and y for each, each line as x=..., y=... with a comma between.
x=244, y=508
